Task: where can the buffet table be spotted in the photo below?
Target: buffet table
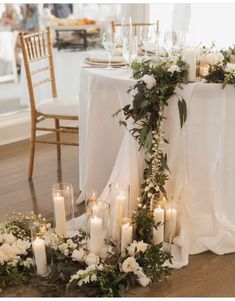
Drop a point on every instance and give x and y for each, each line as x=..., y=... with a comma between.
x=200, y=156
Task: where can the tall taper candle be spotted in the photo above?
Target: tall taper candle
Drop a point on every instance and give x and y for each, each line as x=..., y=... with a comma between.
x=39, y=251
x=60, y=219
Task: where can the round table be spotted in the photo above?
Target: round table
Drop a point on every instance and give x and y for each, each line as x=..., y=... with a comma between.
x=201, y=156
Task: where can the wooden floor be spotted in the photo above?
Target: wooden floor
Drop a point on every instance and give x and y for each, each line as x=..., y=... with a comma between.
x=207, y=275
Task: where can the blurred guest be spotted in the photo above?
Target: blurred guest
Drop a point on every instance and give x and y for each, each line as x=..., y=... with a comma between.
x=29, y=23
x=30, y=20
x=61, y=10
x=12, y=14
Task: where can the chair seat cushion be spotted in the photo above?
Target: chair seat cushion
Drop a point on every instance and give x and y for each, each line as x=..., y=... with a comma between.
x=60, y=106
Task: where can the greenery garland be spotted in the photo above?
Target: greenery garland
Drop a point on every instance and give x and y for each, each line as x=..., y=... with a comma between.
x=155, y=85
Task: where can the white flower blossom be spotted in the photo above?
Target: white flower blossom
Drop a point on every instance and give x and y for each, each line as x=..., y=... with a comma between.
x=91, y=259
x=78, y=255
x=173, y=68
x=135, y=247
x=213, y=58
x=230, y=68
x=129, y=265
x=149, y=80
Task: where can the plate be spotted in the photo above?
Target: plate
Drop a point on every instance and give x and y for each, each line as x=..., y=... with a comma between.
x=92, y=62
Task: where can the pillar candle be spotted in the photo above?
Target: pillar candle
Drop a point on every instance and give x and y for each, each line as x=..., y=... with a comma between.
x=118, y=214
x=171, y=222
x=95, y=235
x=60, y=219
x=158, y=235
x=95, y=210
x=39, y=251
x=127, y=233
x=190, y=57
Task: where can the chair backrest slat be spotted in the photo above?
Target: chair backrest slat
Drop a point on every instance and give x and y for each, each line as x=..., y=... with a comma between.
x=134, y=25
x=37, y=47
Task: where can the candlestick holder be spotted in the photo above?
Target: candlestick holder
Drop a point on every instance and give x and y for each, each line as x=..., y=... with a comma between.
x=63, y=202
x=97, y=230
x=39, y=250
x=119, y=196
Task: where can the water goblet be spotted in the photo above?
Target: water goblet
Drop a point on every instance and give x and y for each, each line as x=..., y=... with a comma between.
x=130, y=50
x=110, y=43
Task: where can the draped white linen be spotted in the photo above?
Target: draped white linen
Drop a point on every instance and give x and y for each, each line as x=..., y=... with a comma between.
x=200, y=156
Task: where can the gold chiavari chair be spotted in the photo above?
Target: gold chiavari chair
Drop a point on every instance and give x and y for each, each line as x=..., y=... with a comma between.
x=37, y=49
x=135, y=26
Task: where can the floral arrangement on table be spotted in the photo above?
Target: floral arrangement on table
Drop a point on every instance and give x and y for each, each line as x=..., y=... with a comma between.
x=71, y=265
x=218, y=66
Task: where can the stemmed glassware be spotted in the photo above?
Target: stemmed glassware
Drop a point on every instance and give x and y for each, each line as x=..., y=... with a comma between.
x=146, y=37
x=169, y=41
x=110, y=43
x=130, y=49
x=126, y=27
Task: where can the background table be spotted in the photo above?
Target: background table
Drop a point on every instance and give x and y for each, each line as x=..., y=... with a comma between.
x=201, y=156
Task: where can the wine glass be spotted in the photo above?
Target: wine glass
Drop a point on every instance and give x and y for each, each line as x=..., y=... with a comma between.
x=146, y=37
x=181, y=36
x=170, y=40
x=110, y=43
x=126, y=27
x=130, y=49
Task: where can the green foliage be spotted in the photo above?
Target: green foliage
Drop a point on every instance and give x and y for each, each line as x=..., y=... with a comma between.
x=215, y=74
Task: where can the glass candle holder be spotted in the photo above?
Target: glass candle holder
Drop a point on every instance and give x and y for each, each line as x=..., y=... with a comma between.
x=39, y=250
x=91, y=200
x=119, y=195
x=171, y=219
x=63, y=202
x=159, y=217
x=98, y=228
x=204, y=68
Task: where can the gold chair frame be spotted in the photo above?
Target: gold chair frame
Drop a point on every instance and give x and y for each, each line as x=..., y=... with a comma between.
x=134, y=25
x=37, y=47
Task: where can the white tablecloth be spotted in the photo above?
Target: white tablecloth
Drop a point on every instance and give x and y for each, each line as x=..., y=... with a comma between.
x=201, y=156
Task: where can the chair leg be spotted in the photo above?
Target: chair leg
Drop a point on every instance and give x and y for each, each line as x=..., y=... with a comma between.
x=32, y=149
x=57, y=125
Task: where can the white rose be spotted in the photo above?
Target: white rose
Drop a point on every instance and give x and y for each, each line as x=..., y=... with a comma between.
x=91, y=259
x=78, y=255
x=8, y=238
x=173, y=68
x=230, y=67
x=149, y=80
x=130, y=265
x=144, y=281
x=137, y=247
x=220, y=57
x=214, y=58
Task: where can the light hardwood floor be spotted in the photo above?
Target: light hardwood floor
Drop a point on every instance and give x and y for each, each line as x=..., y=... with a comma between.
x=207, y=274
